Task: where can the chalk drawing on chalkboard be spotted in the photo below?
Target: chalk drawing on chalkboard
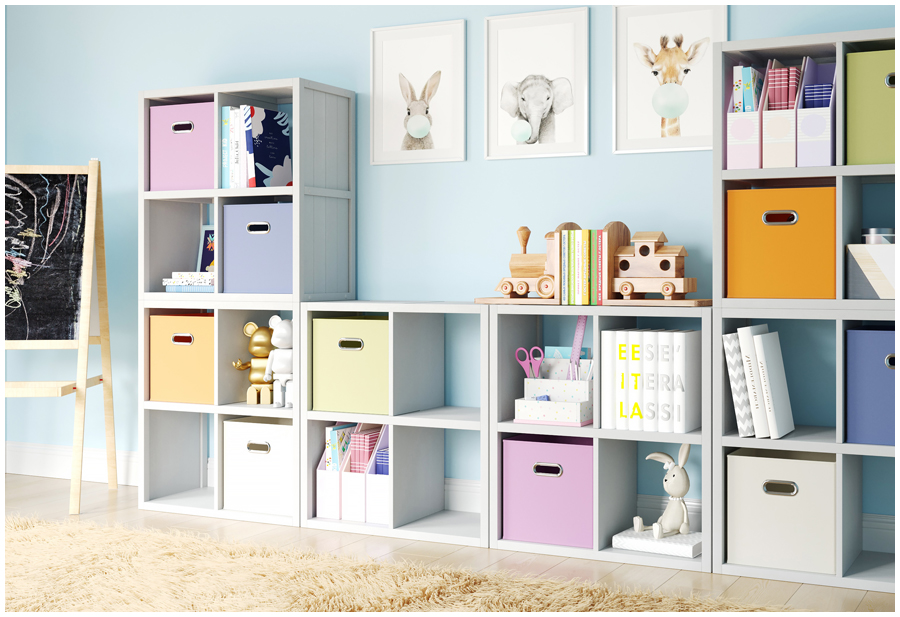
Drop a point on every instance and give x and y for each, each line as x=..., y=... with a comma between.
x=45, y=226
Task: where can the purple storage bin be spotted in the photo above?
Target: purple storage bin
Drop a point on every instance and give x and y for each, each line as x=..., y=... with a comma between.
x=870, y=387
x=548, y=489
x=256, y=248
x=182, y=147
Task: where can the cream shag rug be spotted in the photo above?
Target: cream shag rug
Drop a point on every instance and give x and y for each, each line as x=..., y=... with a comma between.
x=76, y=566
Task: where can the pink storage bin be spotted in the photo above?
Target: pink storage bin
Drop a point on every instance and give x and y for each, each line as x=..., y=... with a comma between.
x=182, y=147
x=548, y=490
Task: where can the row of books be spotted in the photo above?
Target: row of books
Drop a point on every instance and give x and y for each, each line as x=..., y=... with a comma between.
x=190, y=282
x=759, y=390
x=783, y=87
x=342, y=440
x=650, y=380
x=256, y=147
x=581, y=261
x=748, y=84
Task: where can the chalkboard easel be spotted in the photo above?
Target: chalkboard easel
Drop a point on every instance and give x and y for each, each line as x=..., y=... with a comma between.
x=56, y=294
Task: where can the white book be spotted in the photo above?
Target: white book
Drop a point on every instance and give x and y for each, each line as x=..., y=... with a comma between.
x=621, y=400
x=234, y=147
x=564, y=266
x=242, y=148
x=738, y=86
x=775, y=395
x=751, y=372
x=649, y=365
x=579, y=256
x=665, y=371
x=608, y=379
x=686, y=381
x=635, y=381
x=743, y=418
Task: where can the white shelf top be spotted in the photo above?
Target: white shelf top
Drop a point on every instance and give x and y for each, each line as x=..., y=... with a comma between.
x=815, y=309
x=162, y=299
x=196, y=499
x=237, y=409
x=464, y=418
x=778, y=173
x=802, y=439
x=370, y=306
x=876, y=568
x=207, y=195
x=606, y=311
x=508, y=426
x=448, y=526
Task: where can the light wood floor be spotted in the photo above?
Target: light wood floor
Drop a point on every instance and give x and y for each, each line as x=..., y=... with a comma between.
x=48, y=498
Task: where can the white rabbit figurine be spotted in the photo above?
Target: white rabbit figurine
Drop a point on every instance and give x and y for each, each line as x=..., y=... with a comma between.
x=676, y=483
x=280, y=364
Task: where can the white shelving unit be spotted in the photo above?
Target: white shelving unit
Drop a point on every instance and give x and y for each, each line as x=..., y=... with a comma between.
x=181, y=444
x=855, y=568
x=616, y=458
x=417, y=356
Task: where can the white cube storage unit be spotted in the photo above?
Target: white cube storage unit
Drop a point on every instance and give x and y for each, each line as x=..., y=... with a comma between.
x=257, y=465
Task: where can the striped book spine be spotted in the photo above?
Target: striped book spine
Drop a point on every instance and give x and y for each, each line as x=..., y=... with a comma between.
x=361, y=447
x=382, y=466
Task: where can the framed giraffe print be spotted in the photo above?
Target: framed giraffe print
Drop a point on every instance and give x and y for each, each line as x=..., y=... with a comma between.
x=663, y=76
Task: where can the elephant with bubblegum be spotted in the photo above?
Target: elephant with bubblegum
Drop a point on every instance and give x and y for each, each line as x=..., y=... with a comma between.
x=537, y=100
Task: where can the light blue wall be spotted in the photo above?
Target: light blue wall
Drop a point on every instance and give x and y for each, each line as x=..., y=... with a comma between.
x=87, y=106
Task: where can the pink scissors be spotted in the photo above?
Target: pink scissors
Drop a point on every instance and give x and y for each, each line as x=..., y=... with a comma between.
x=532, y=361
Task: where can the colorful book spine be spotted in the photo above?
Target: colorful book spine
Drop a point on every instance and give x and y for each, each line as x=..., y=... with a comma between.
x=621, y=373
x=571, y=270
x=686, y=384
x=665, y=372
x=242, y=148
x=601, y=279
x=579, y=265
x=586, y=267
x=793, y=85
x=758, y=80
x=382, y=462
x=752, y=87
x=247, y=111
x=338, y=438
x=608, y=379
x=362, y=445
x=564, y=267
x=738, y=90
x=226, y=144
x=634, y=381
x=234, y=167
x=594, y=273
x=649, y=368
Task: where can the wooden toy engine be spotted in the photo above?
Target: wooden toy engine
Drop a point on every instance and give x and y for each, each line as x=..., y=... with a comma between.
x=537, y=272
x=648, y=266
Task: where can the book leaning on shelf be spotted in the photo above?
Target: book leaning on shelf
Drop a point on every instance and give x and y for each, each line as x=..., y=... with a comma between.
x=256, y=147
x=581, y=257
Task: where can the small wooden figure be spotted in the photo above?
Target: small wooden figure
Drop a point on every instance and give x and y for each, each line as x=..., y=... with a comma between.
x=260, y=390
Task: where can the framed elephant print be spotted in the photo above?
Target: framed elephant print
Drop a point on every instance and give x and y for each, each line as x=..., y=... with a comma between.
x=663, y=76
x=418, y=107
x=537, y=84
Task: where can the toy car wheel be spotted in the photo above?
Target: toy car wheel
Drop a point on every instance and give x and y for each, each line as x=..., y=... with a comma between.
x=506, y=288
x=546, y=287
x=667, y=289
x=626, y=289
x=521, y=288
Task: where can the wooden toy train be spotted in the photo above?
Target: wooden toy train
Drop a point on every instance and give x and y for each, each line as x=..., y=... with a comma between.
x=647, y=266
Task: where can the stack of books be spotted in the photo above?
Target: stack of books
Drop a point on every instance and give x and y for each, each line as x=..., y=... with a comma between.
x=581, y=263
x=362, y=445
x=748, y=83
x=783, y=85
x=382, y=467
x=190, y=282
x=650, y=380
x=816, y=95
x=337, y=444
x=759, y=390
x=256, y=147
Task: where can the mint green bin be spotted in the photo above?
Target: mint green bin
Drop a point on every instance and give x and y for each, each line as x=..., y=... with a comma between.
x=350, y=365
x=870, y=107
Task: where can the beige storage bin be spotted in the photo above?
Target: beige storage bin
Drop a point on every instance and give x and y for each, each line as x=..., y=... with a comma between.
x=350, y=365
x=781, y=510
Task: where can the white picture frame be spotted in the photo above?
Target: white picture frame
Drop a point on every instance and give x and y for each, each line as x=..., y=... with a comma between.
x=551, y=46
x=633, y=117
x=418, y=52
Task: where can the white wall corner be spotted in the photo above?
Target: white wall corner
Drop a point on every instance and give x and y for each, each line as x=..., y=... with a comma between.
x=462, y=495
x=30, y=459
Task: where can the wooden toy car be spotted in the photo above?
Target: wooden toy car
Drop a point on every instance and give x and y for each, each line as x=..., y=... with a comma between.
x=648, y=266
x=534, y=272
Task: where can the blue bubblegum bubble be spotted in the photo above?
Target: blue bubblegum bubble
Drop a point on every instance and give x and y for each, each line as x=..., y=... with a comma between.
x=670, y=100
x=418, y=126
x=521, y=130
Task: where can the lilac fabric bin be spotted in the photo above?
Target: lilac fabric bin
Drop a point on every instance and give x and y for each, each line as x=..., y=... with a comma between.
x=548, y=488
x=256, y=248
x=182, y=147
x=870, y=387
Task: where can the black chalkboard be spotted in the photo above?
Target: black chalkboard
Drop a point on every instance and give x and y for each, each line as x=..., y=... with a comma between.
x=45, y=223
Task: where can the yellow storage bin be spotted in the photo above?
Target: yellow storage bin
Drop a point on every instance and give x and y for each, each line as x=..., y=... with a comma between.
x=780, y=243
x=350, y=365
x=182, y=353
x=870, y=107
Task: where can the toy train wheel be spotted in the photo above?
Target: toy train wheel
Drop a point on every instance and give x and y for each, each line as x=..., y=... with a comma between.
x=667, y=289
x=506, y=288
x=522, y=288
x=546, y=287
x=626, y=288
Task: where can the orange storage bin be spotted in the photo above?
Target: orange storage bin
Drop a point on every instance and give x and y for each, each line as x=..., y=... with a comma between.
x=182, y=353
x=780, y=243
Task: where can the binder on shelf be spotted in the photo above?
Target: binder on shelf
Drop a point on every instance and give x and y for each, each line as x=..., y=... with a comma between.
x=751, y=374
x=815, y=124
x=774, y=384
x=378, y=486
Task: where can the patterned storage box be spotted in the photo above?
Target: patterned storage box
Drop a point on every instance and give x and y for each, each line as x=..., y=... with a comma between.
x=571, y=402
x=381, y=462
x=361, y=447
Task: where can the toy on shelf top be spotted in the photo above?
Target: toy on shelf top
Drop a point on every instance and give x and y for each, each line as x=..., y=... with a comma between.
x=260, y=346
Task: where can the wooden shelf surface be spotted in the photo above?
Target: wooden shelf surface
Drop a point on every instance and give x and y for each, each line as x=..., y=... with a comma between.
x=45, y=389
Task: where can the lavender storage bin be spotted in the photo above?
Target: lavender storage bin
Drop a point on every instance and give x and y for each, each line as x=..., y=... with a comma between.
x=256, y=248
x=548, y=490
x=815, y=125
x=870, y=387
x=182, y=147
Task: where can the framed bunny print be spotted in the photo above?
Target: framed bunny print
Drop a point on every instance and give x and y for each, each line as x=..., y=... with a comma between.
x=418, y=107
x=536, y=84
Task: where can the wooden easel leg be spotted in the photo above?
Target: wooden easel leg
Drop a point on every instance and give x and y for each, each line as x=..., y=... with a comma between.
x=77, y=449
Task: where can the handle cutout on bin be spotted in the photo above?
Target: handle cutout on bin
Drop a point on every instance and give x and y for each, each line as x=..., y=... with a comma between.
x=259, y=448
x=351, y=344
x=183, y=339
x=785, y=488
x=889, y=80
x=259, y=227
x=182, y=127
x=889, y=361
x=551, y=470
x=780, y=217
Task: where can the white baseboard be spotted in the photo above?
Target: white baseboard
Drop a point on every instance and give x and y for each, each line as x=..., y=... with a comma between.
x=462, y=495
x=878, y=533
x=30, y=459
x=651, y=507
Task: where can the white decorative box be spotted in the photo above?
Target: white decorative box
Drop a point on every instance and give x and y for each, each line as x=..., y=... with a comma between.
x=571, y=402
x=679, y=545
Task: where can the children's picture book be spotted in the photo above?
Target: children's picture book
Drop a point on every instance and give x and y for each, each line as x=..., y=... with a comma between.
x=270, y=144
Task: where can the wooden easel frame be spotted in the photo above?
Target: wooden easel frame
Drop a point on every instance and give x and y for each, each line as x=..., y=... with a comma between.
x=94, y=248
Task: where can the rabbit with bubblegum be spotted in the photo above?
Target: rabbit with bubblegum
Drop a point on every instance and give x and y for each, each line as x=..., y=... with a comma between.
x=676, y=483
x=418, y=120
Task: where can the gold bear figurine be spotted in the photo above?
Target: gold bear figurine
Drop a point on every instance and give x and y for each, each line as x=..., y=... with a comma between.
x=260, y=390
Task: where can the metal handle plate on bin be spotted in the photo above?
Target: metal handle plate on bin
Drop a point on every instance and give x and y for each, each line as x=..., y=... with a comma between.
x=259, y=227
x=780, y=217
x=551, y=470
x=889, y=361
x=785, y=488
x=889, y=80
x=351, y=344
x=183, y=339
x=185, y=126
x=259, y=448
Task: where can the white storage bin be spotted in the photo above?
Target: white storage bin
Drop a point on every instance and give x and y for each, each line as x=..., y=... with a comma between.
x=378, y=487
x=328, y=489
x=257, y=465
x=781, y=510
